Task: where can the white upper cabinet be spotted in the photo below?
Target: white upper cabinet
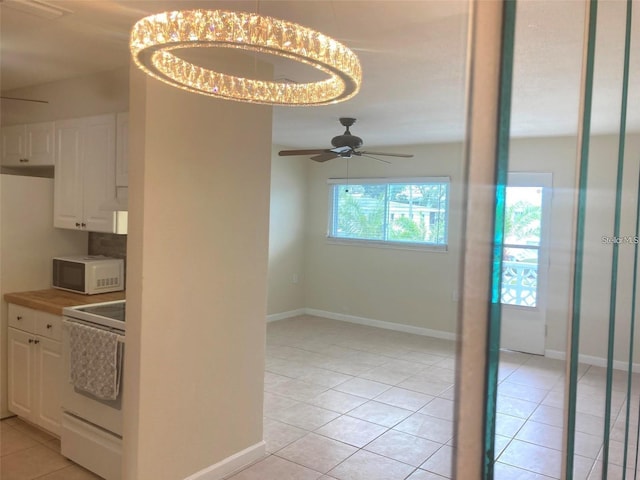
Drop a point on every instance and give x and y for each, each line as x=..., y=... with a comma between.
x=85, y=175
x=122, y=150
x=14, y=145
x=68, y=180
x=28, y=145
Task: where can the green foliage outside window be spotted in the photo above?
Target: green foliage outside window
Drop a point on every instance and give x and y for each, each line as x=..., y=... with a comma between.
x=391, y=212
x=522, y=220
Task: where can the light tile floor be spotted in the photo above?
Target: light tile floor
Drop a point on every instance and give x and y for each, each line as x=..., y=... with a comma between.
x=27, y=453
x=350, y=402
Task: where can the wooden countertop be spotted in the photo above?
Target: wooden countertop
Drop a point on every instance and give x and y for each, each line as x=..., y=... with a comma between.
x=54, y=300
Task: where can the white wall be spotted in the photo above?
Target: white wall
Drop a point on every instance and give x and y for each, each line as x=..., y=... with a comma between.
x=416, y=288
x=105, y=92
x=196, y=281
x=400, y=286
x=603, y=160
x=286, y=234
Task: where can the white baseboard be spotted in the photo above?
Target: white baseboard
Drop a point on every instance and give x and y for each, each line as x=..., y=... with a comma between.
x=554, y=354
x=592, y=360
x=231, y=464
x=398, y=327
x=284, y=315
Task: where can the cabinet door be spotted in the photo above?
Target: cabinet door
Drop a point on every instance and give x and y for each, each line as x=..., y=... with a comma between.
x=14, y=145
x=99, y=173
x=40, y=144
x=67, y=198
x=122, y=153
x=48, y=384
x=21, y=380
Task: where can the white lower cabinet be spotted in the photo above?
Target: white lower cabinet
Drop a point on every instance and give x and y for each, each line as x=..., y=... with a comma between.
x=21, y=373
x=35, y=366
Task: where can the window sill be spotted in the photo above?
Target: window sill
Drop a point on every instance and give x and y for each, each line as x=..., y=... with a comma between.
x=353, y=242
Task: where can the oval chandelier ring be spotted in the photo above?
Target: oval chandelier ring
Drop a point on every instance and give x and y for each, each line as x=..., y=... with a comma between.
x=154, y=38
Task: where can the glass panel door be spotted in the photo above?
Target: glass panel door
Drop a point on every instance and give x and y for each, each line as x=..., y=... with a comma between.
x=525, y=262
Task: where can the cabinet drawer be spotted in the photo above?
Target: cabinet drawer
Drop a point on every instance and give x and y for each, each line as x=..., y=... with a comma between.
x=22, y=318
x=49, y=325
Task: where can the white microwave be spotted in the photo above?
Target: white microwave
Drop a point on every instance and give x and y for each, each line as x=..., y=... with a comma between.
x=88, y=275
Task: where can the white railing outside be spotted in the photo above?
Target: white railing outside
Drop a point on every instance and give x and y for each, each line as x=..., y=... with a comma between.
x=519, y=283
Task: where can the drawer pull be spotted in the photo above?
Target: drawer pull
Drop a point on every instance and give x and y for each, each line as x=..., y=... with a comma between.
x=49, y=326
x=19, y=317
x=31, y=340
x=36, y=341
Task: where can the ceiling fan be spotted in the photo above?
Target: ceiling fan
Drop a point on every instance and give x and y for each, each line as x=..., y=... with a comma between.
x=2, y=97
x=344, y=146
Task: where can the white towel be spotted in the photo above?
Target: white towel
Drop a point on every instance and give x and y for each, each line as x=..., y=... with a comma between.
x=95, y=360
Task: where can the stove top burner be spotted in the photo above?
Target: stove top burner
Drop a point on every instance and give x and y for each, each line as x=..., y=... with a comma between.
x=107, y=314
x=115, y=311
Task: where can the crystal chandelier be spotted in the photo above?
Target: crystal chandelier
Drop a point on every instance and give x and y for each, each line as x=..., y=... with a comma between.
x=153, y=39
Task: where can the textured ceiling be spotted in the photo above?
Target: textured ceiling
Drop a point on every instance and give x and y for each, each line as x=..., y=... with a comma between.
x=412, y=52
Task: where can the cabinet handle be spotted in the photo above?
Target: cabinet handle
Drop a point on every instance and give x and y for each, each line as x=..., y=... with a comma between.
x=19, y=317
x=83, y=224
x=24, y=160
x=36, y=341
x=31, y=340
x=49, y=326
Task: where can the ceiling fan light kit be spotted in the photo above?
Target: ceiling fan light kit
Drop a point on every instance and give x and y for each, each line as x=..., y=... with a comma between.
x=344, y=146
x=153, y=39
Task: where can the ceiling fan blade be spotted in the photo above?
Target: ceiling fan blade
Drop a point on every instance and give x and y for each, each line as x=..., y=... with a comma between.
x=284, y=153
x=323, y=157
x=375, y=158
x=23, y=99
x=403, y=155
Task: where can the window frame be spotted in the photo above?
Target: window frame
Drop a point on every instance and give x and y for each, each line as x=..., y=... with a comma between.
x=393, y=244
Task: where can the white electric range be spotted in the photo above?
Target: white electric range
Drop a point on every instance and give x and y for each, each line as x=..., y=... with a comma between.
x=91, y=432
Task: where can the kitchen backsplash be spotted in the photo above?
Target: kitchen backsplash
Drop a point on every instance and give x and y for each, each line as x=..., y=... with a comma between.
x=108, y=244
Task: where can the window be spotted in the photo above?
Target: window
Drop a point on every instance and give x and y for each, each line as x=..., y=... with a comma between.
x=405, y=211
